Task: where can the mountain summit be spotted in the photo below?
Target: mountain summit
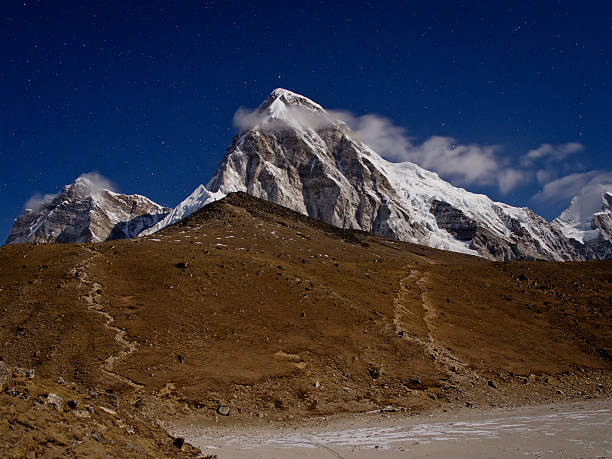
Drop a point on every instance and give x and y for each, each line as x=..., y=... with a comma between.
x=85, y=212
x=291, y=151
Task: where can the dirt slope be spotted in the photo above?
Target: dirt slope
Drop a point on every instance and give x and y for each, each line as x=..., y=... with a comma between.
x=248, y=305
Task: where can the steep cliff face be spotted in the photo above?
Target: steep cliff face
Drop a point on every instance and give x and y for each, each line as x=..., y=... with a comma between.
x=322, y=173
x=297, y=155
x=84, y=213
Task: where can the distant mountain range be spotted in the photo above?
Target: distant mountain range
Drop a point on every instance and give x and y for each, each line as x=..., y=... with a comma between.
x=296, y=154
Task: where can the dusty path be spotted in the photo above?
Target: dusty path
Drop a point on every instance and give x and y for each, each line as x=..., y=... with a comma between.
x=581, y=429
x=413, y=306
x=93, y=300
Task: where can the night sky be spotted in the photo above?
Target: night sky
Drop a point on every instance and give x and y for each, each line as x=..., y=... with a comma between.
x=145, y=92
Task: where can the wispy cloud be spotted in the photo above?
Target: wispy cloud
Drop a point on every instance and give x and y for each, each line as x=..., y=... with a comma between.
x=284, y=116
x=549, y=162
x=96, y=182
x=93, y=181
x=561, y=190
x=560, y=172
x=550, y=152
x=37, y=200
x=461, y=164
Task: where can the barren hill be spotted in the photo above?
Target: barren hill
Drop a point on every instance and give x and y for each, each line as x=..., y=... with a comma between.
x=251, y=306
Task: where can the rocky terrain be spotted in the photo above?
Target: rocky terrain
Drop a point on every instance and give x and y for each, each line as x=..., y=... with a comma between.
x=83, y=212
x=48, y=418
x=248, y=313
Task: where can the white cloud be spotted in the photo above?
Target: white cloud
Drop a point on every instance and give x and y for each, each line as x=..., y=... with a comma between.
x=460, y=164
x=245, y=118
x=306, y=117
x=510, y=178
x=548, y=152
x=551, y=161
x=93, y=181
x=37, y=200
x=588, y=185
x=96, y=182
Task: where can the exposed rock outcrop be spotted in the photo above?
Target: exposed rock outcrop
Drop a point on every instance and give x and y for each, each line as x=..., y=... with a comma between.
x=81, y=212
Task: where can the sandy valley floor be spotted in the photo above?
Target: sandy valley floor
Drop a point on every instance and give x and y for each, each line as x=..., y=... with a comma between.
x=582, y=429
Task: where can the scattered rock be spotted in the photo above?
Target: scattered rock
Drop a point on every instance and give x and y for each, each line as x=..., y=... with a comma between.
x=182, y=265
x=389, y=409
x=14, y=392
x=223, y=410
x=180, y=358
x=179, y=442
x=72, y=404
x=317, y=384
x=4, y=375
x=55, y=401
x=99, y=438
x=24, y=372
x=491, y=384
x=60, y=380
x=374, y=372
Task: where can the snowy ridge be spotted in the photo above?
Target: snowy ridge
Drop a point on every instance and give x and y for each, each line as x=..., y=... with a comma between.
x=196, y=200
x=292, y=152
x=577, y=220
x=297, y=155
x=83, y=212
x=588, y=220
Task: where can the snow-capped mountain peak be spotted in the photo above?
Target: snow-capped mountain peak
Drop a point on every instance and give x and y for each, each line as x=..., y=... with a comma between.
x=292, y=152
x=284, y=110
x=287, y=98
x=84, y=211
x=588, y=220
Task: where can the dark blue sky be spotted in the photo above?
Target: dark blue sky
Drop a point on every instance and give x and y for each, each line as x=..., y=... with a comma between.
x=144, y=92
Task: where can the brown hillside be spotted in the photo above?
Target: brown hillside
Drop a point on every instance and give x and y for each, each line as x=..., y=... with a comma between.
x=249, y=305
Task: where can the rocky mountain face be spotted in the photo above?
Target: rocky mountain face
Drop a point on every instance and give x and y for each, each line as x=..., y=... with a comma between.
x=84, y=213
x=294, y=153
x=297, y=155
x=590, y=226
